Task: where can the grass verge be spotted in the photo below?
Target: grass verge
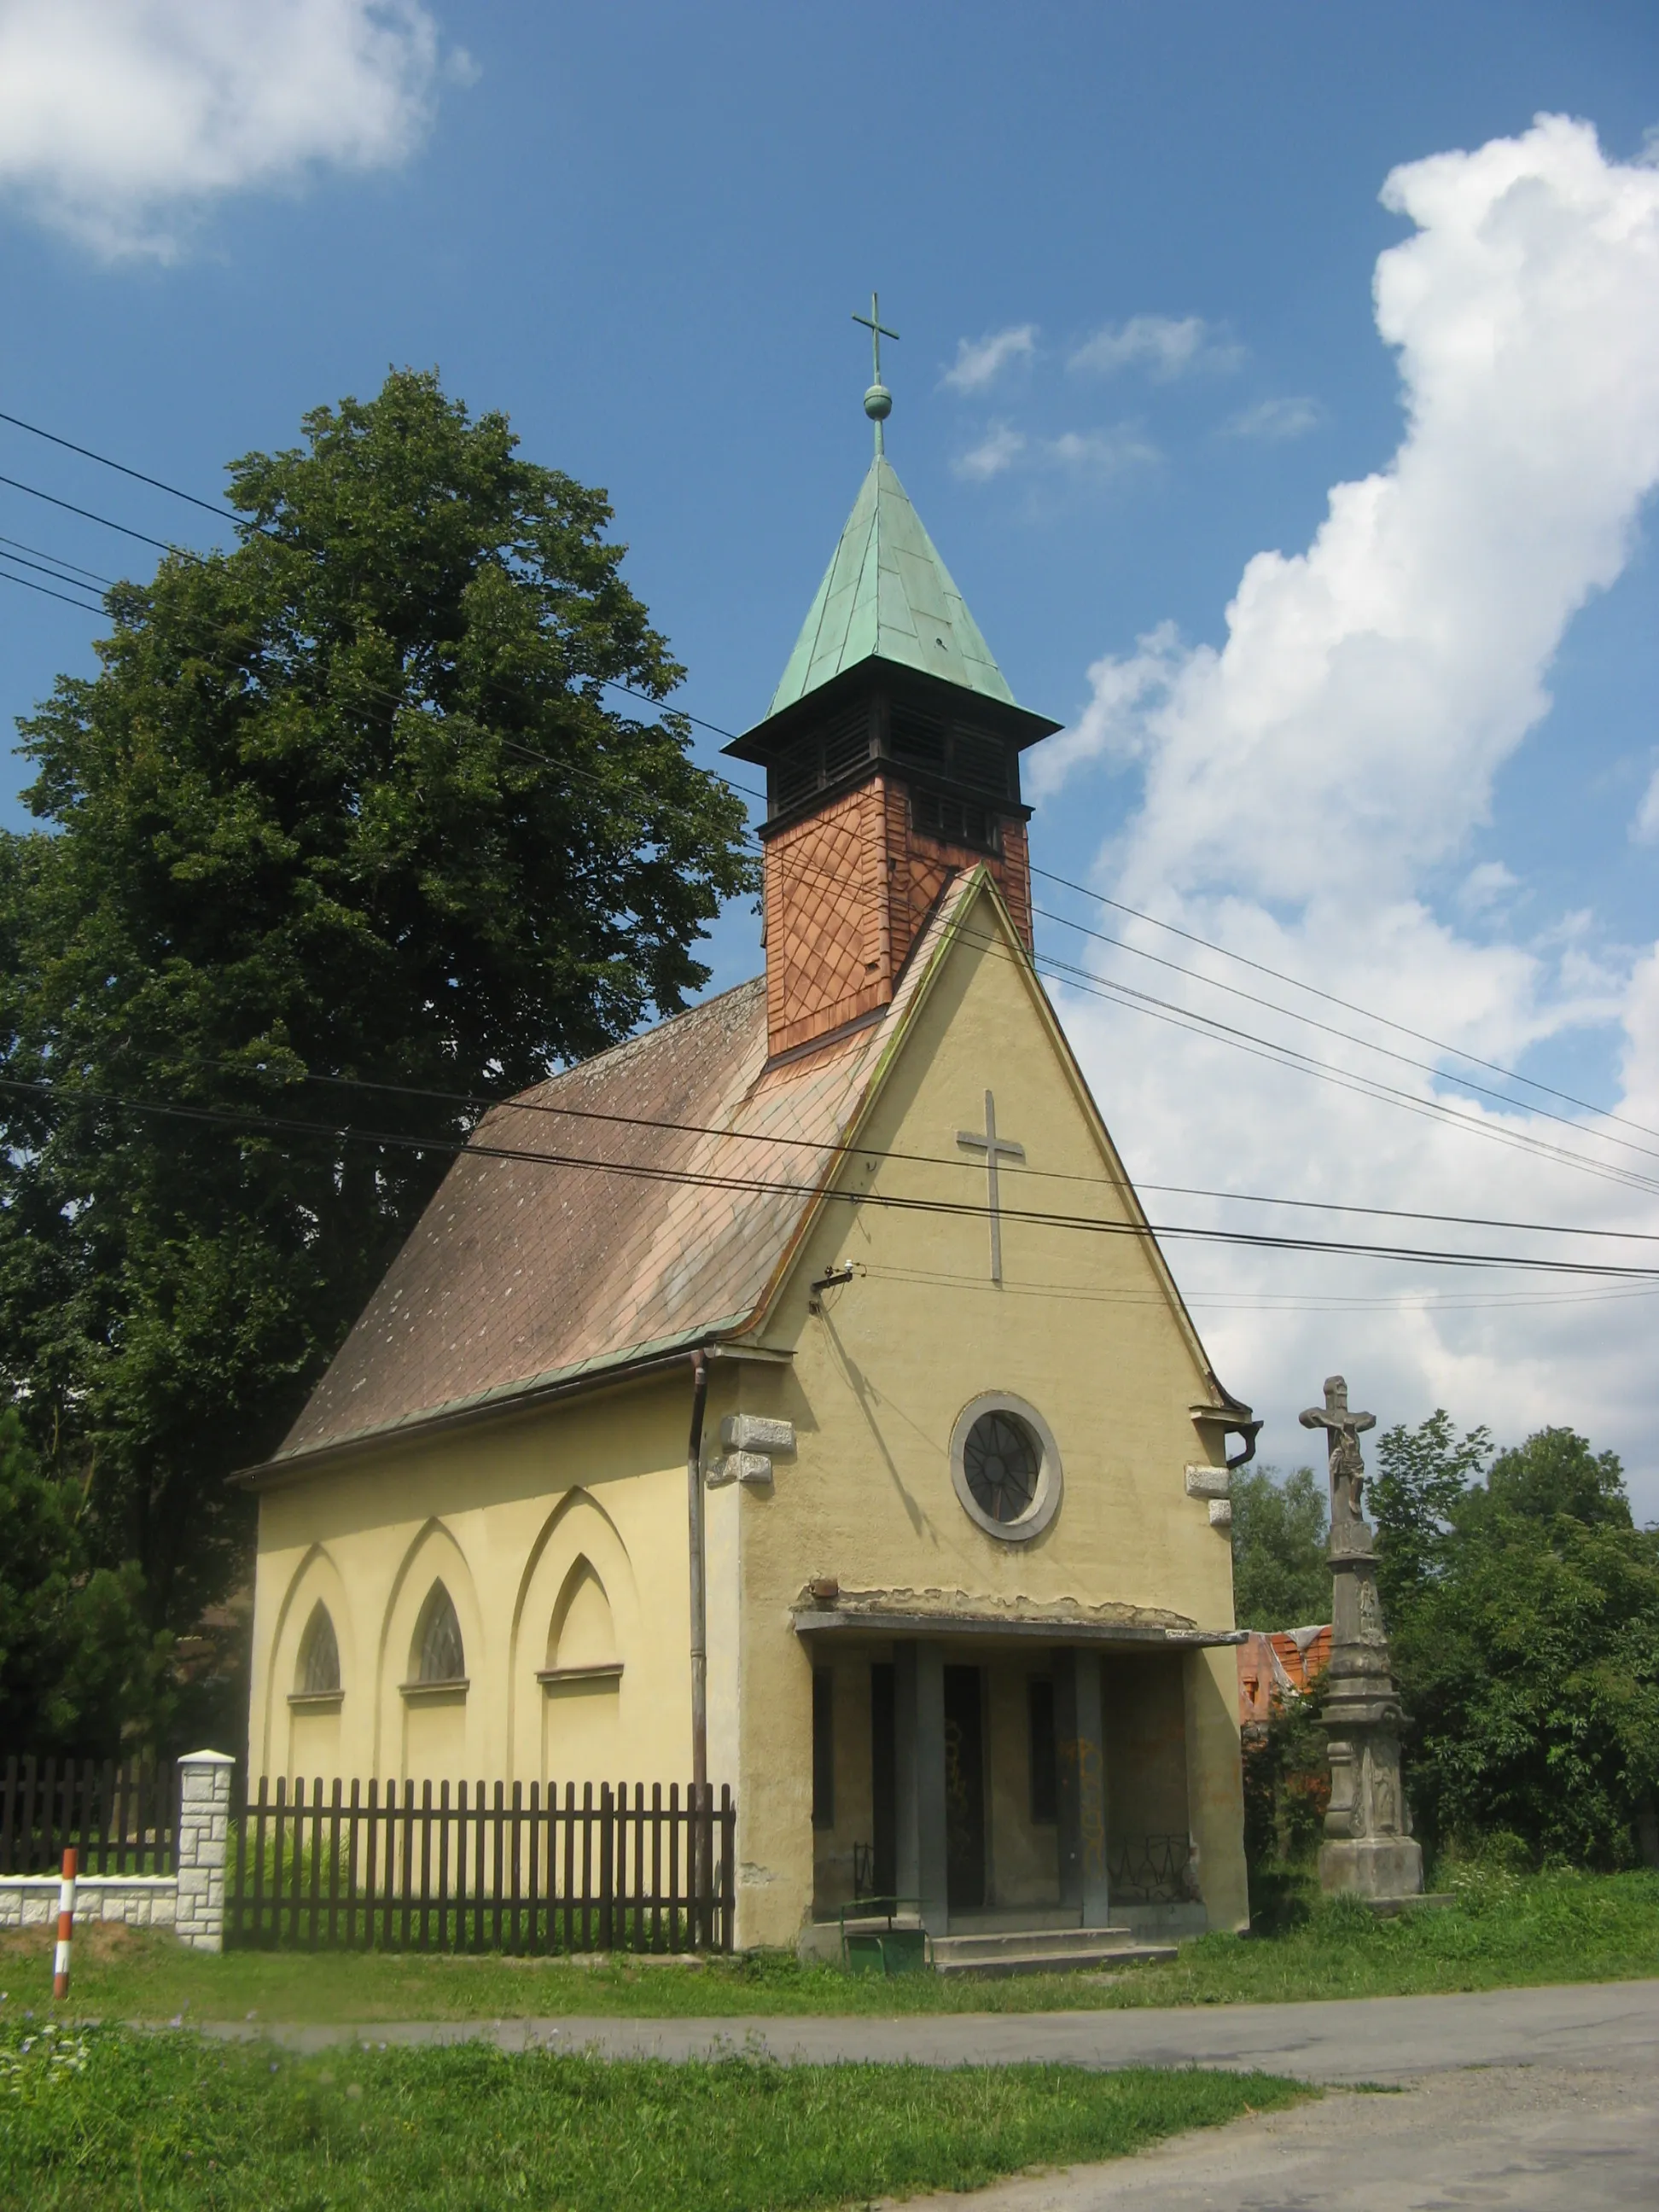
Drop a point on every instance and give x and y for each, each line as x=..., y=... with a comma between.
x=1502, y=1931
x=102, y=2117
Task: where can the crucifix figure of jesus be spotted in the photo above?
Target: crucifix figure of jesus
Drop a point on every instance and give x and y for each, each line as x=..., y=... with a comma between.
x=995, y=1149
x=1342, y=1429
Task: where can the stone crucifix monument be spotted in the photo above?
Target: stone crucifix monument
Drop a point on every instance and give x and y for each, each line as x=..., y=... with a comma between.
x=1369, y=1847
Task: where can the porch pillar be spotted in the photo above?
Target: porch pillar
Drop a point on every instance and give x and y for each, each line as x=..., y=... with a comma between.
x=919, y=1761
x=1080, y=1757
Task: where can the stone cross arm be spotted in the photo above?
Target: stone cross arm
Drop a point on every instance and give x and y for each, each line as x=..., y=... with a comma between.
x=1334, y=1415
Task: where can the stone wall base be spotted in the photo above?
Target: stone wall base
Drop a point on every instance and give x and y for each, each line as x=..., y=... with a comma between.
x=134, y=1900
x=1373, y=1866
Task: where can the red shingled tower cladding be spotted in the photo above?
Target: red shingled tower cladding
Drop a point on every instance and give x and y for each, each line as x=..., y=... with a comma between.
x=891, y=752
x=848, y=887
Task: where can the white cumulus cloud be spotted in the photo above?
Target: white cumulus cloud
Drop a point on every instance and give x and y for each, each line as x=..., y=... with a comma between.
x=1083, y=455
x=998, y=449
x=1304, y=785
x=122, y=120
x=979, y=362
x=1165, y=346
x=1645, y=828
x=1276, y=419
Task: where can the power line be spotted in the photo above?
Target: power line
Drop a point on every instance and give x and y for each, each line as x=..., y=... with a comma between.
x=1104, y=984
x=85, y=605
x=104, y=461
x=1364, y=1086
x=92, y=574
x=266, y=1124
x=86, y=515
x=42, y=568
x=1348, y=1005
x=1328, y=1028
x=519, y=1103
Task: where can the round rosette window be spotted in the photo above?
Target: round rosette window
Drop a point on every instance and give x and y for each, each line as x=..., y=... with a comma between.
x=1006, y=1467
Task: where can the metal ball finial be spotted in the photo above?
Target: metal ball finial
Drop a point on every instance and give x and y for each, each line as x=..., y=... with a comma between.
x=877, y=402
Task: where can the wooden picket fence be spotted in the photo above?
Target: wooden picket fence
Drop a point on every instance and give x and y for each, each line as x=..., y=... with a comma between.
x=511, y=1869
x=120, y=1817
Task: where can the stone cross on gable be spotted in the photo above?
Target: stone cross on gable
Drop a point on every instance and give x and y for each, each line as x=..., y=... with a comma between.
x=1343, y=1429
x=995, y=1149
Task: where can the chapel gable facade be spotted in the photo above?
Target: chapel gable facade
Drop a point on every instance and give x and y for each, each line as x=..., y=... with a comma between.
x=854, y=1238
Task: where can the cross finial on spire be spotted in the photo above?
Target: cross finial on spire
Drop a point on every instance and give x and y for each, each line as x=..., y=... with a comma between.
x=877, y=400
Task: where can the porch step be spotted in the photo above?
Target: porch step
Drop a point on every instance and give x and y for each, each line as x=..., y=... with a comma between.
x=1041, y=1950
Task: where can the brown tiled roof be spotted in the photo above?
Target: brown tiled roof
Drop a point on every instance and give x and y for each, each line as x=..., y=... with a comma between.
x=525, y=1272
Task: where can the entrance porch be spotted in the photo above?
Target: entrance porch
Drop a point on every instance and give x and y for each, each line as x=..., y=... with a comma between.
x=1026, y=1787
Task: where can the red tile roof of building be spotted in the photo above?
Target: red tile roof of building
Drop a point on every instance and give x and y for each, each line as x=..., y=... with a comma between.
x=523, y=1272
x=1285, y=1662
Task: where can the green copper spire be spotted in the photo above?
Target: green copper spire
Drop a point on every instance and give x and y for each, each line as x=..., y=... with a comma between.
x=886, y=595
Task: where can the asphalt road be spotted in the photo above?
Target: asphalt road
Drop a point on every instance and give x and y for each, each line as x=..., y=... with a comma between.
x=1387, y=2039
x=1543, y=2100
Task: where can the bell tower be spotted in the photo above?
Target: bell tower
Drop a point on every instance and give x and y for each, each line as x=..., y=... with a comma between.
x=892, y=750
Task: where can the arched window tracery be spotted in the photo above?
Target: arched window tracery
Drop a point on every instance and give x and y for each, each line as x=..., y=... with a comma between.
x=440, y=1655
x=318, y=1671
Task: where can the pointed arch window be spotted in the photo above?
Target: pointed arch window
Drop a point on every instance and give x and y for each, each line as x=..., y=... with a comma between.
x=318, y=1674
x=439, y=1656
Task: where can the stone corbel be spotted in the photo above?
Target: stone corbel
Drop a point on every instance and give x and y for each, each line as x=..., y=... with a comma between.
x=1215, y=1484
x=751, y=1442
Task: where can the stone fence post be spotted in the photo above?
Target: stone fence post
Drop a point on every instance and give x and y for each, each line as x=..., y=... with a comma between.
x=203, y=1833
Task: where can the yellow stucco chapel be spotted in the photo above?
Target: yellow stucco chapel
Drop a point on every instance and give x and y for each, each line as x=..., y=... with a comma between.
x=823, y=1418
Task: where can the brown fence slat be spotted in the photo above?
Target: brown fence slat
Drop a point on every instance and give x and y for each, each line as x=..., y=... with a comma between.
x=7, y=1814
x=479, y=1842
x=334, y=1811
x=532, y=1939
x=444, y=1943
x=424, y=1940
x=354, y=1815
x=523, y=1869
x=316, y=1883
x=728, y=1867
x=569, y=1867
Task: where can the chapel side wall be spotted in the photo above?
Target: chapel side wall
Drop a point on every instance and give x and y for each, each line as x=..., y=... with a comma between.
x=504, y=1511
x=1081, y=1327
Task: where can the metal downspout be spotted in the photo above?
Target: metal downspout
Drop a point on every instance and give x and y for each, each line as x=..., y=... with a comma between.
x=699, y=1577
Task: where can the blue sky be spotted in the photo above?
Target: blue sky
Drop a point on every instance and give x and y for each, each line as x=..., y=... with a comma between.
x=641, y=231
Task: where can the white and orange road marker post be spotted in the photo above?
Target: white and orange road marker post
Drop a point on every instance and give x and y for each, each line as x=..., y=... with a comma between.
x=60, y=1964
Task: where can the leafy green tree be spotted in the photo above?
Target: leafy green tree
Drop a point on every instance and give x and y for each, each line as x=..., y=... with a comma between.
x=1528, y=1659
x=75, y=1659
x=1421, y=1476
x=1281, y=1578
x=1287, y=1781
x=1555, y=1472
x=344, y=807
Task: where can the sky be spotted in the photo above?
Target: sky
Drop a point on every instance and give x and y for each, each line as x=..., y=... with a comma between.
x=1281, y=387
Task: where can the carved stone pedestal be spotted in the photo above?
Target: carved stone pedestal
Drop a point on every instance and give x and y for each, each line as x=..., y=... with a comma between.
x=1368, y=1846
x=1373, y=1866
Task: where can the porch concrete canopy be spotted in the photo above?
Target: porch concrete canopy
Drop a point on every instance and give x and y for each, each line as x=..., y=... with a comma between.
x=921, y=1632
x=907, y=1613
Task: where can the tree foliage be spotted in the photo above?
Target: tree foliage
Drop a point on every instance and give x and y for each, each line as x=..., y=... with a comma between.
x=75, y=1659
x=1420, y=1477
x=1523, y=1613
x=1528, y=1651
x=1281, y=1578
x=342, y=808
